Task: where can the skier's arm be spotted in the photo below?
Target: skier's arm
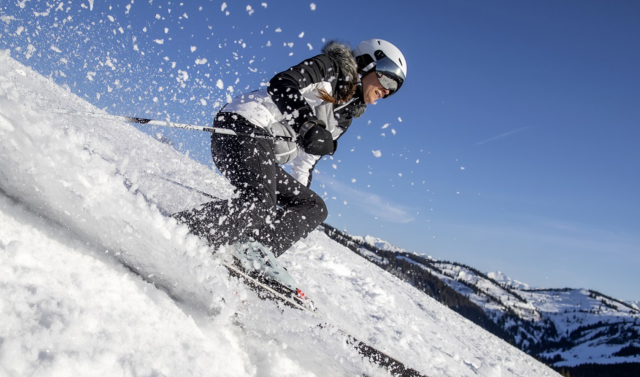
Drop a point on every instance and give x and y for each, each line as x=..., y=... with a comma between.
x=285, y=87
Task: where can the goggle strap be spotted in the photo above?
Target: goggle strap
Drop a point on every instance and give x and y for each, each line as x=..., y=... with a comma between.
x=369, y=67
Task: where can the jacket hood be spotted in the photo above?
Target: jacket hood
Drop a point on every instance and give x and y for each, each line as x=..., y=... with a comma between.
x=348, y=75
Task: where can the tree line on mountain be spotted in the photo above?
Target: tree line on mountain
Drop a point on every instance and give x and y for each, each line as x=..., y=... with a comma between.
x=505, y=287
x=533, y=337
x=524, y=334
x=601, y=370
x=422, y=280
x=596, y=295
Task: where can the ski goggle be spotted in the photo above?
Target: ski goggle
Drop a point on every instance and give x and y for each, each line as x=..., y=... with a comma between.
x=389, y=74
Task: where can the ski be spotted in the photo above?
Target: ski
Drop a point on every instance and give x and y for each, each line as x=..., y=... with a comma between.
x=269, y=290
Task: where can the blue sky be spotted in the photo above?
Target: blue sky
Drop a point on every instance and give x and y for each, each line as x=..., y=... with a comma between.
x=512, y=146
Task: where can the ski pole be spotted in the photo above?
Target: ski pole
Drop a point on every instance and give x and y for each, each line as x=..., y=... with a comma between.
x=187, y=187
x=165, y=123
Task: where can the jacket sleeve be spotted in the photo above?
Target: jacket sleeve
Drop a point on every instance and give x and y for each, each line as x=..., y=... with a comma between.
x=285, y=87
x=302, y=167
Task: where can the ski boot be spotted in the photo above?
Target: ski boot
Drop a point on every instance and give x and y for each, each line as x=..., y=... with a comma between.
x=257, y=261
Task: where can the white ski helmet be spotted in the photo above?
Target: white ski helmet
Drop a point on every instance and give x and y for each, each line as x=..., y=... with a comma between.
x=383, y=58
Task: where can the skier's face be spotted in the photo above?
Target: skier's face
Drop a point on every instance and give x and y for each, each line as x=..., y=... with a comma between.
x=372, y=88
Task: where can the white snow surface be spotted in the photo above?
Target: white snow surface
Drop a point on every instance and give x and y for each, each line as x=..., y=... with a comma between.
x=571, y=311
x=501, y=278
x=80, y=198
x=379, y=243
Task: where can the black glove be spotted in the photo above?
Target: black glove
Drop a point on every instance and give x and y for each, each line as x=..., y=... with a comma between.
x=315, y=139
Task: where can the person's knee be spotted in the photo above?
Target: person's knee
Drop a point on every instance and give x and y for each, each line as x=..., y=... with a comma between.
x=319, y=210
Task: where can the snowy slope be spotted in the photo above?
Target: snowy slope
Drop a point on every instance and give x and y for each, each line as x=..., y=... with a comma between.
x=80, y=198
x=566, y=327
x=379, y=243
x=577, y=325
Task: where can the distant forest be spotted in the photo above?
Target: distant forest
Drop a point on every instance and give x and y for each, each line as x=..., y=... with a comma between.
x=599, y=370
x=400, y=265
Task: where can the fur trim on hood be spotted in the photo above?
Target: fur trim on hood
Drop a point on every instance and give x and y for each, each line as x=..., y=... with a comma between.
x=348, y=75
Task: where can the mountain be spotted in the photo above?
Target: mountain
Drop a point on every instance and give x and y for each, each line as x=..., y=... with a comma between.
x=567, y=328
x=97, y=279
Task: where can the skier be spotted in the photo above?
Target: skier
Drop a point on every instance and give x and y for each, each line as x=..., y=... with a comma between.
x=313, y=103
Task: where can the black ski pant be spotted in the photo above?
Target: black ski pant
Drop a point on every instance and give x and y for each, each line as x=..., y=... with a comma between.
x=271, y=206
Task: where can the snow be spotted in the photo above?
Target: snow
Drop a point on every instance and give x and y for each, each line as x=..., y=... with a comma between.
x=379, y=243
x=599, y=321
x=504, y=279
x=81, y=198
x=70, y=309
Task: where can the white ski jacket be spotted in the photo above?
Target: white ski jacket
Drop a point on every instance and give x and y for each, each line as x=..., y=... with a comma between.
x=294, y=96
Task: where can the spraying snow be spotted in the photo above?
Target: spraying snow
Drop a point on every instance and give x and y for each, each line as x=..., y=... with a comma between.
x=80, y=198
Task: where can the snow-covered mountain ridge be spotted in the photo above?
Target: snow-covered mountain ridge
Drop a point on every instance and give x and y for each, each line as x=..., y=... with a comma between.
x=565, y=327
x=81, y=197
